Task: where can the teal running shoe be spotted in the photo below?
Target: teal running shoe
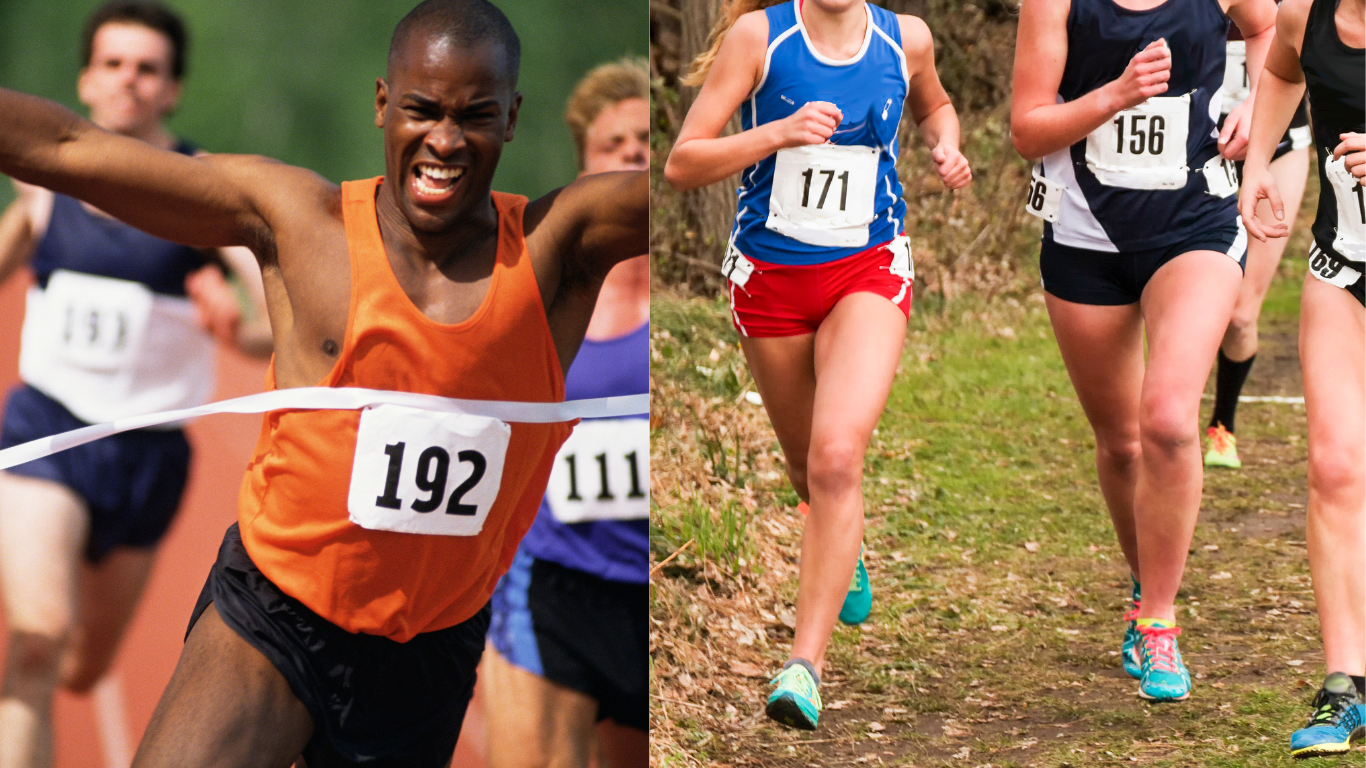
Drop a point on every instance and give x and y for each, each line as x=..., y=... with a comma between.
x=1339, y=720
x=858, y=603
x=1133, y=667
x=1163, y=676
x=796, y=701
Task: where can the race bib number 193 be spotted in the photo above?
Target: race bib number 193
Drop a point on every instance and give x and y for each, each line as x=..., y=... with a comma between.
x=423, y=472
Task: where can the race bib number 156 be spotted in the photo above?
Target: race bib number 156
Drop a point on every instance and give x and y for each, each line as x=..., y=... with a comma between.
x=423, y=472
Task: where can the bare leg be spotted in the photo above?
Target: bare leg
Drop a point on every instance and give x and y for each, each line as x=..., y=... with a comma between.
x=1333, y=354
x=623, y=747
x=226, y=706
x=108, y=596
x=784, y=371
x=531, y=721
x=1102, y=347
x=1240, y=340
x=1186, y=306
x=43, y=529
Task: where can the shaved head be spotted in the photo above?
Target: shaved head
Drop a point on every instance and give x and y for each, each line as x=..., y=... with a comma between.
x=465, y=23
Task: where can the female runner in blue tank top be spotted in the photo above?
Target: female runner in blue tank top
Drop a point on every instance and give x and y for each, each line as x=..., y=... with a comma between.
x=1322, y=44
x=818, y=265
x=1119, y=100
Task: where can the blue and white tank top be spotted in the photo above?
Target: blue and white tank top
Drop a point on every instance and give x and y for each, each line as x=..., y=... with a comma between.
x=595, y=516
x=811, y=205
x=1151, y=175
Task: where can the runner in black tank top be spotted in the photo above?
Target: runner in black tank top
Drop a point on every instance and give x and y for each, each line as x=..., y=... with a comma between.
x=1322, y=43
x=1139, y=241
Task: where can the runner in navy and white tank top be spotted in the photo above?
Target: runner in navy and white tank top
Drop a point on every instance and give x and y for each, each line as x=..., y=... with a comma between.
x=824, y=212
x=1169, y=200
x=1141, y=243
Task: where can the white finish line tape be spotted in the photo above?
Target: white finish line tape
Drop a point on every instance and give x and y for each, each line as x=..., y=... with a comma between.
x=337, y=398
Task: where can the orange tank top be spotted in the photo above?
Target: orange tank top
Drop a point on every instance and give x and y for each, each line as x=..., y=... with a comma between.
x=293, y=508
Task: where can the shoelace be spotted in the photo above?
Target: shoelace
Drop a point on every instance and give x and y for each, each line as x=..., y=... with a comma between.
x=1131, y=615
x=1329, y=707
x=792, y=677
x=1220, y=436
x=1159, y=643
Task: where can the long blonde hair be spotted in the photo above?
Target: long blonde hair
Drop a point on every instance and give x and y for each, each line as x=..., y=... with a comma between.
x=730, y=13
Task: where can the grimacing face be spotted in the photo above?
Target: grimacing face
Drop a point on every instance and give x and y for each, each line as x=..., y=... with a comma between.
x=128, y=85
x=446, y=111
x=618, y=139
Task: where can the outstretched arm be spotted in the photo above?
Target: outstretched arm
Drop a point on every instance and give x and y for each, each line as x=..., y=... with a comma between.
x=16, y=239
x=1038, y=124
x=196, y=201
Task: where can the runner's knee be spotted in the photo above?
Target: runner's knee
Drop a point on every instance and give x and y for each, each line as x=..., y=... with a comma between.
x=836, y=466
x=1118, y=451
x=36, y=653
x=1243, y=322
x=1335, y=470
x=1167, y=425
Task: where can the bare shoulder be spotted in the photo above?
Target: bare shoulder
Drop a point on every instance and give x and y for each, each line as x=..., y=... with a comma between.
x=749, y=29
x=1051, y=14
x=572, y=205
x=1291, y=18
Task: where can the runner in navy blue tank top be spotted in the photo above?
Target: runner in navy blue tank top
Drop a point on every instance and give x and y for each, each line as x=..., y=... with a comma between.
x=1321, y=44
x=1119, y=98
x=109, y=331
x=818, y=268
x=568, y=650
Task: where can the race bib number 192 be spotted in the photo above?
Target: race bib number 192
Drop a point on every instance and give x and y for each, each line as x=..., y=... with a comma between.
x=424, y=472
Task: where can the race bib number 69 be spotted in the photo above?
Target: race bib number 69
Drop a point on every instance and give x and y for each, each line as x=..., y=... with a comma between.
x=423, y=472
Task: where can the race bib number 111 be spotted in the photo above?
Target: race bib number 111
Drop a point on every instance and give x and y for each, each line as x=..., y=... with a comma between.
x=423, y=472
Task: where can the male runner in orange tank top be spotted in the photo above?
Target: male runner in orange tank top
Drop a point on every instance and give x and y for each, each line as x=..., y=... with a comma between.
x=354, y=639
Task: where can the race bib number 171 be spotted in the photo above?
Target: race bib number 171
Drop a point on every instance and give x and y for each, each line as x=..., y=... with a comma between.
x=424, y=472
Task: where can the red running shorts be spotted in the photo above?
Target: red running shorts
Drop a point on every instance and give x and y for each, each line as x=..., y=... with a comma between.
x=783, y=300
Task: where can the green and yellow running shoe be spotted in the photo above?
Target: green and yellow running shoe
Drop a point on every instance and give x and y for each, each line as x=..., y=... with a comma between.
x=796, y=701
x=1163, y=676
x=1223, y=448
x=1339, y=720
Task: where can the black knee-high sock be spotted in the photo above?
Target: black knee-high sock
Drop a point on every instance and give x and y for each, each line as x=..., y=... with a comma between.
x=1228, y=384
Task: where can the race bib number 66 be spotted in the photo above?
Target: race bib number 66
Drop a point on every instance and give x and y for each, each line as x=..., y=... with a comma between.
x=423, y=472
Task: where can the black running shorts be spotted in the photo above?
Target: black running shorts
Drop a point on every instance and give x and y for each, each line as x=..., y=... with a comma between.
x=374, y=702
x=588, y=634
x=1103, y=278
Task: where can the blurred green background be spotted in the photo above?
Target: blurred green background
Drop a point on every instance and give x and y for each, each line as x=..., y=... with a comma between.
x=295, y=80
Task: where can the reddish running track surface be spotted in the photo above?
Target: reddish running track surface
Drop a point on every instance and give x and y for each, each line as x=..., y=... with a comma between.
x=222, y=445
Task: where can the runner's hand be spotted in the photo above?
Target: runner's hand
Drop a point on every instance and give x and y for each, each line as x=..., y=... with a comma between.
x=1353, y=147
x=951, y=165
x=1259, y=184
x=813, y=123
x=1237, y=129
x=1145, y=77
x=215, y=303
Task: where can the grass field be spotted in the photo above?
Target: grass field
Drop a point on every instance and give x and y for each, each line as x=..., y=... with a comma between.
x=998, y=585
